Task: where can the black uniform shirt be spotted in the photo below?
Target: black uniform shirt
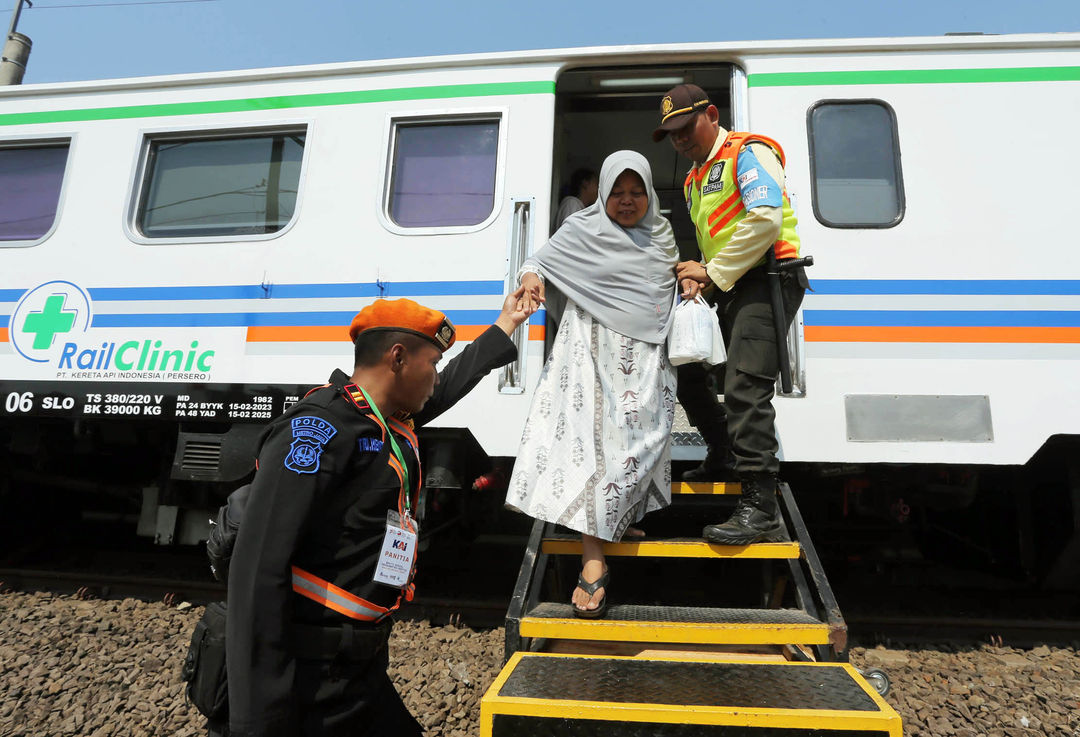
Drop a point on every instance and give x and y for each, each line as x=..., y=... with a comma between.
x=319, y=502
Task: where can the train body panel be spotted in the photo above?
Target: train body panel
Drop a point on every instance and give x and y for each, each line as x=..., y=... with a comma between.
x=974, y=293
x=944, y=334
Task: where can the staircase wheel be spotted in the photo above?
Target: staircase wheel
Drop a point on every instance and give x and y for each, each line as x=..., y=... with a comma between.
x=879, y=680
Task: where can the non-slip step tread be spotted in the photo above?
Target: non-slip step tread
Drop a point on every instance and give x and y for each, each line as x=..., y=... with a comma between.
x=699, y=625
x=548, y=695
x=688, y=683
x=679, y=614
x=681, y=547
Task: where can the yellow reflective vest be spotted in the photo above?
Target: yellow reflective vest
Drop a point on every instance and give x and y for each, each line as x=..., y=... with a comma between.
x=717, y=202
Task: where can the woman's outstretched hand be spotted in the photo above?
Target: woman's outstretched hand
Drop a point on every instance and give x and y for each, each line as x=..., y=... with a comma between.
x=533, y=295
x=514, y=311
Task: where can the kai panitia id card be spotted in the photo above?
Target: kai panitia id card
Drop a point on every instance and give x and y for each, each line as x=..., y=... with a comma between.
x=398, y=551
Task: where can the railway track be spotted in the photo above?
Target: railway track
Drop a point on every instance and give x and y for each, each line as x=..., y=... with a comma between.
x=101, y=561
x=472, y=612
x=490, y=612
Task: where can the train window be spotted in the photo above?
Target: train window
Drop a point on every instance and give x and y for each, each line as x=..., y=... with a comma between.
x=443, y=173
x=855, y=164
x=31, y=177
x=197, y=187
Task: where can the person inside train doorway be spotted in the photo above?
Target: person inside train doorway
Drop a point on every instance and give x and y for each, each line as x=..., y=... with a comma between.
x=737, y=201
x=326, y=550
x=584, y=186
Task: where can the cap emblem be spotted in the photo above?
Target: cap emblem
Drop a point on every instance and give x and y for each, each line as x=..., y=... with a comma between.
x=666, y=105
x=445, y=334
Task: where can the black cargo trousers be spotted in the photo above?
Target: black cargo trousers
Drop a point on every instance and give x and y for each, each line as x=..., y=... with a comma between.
x=341, y=686
x=747, y=416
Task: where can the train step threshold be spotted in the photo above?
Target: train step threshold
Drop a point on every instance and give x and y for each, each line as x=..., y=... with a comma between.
x=673, y=548
x=701, y=625
x=544, y=695
x=706, y=487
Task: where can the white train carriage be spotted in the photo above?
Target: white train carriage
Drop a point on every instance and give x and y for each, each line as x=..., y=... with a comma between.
x=179, y=255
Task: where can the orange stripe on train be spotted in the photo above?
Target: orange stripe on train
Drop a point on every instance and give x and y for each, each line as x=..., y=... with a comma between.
x=334, y=333
x=908, y=334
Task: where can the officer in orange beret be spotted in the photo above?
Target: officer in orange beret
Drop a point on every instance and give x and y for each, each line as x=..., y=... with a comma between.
x=326, y=550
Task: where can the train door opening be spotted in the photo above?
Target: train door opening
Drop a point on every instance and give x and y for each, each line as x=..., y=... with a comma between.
x=600, y=110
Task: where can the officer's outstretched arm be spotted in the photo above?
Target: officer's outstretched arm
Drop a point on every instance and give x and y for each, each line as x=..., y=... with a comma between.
x=492, y=349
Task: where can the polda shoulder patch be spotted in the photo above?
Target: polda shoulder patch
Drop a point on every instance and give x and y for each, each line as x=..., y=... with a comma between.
x=310, y=436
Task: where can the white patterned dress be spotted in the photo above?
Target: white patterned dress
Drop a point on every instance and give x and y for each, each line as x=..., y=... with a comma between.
x=595, y=454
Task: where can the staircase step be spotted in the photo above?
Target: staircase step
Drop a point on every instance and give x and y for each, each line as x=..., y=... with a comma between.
x=706, y=487
x=674, y=548
x=703, y=625
x=540, y=694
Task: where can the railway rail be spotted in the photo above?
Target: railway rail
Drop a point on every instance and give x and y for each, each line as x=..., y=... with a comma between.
x=866, y=628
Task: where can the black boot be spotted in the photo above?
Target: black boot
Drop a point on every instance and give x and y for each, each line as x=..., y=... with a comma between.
x=756, y=517
x=719, y=463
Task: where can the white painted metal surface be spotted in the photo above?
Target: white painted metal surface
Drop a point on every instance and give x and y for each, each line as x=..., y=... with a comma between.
x=987, y=239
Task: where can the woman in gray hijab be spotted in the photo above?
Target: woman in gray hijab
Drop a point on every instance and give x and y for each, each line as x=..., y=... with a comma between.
x=595, y=454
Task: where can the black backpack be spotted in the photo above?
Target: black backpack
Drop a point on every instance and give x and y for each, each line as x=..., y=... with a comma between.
x=204, y=666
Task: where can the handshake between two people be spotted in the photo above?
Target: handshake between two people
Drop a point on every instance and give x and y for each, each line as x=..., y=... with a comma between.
x=519, y=305
x=691, y=276
x=530, y=294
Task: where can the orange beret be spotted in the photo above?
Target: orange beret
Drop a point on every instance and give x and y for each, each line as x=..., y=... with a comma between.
x=406, y=316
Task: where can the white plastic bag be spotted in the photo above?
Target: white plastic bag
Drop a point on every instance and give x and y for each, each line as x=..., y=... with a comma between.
x=691, y=337
x=719, y=351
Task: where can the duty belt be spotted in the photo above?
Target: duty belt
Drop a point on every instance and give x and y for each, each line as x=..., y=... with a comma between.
x=762, y=272
x=349, y=642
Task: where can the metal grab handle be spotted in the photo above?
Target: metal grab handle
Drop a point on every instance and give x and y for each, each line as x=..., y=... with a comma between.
x=511, y=376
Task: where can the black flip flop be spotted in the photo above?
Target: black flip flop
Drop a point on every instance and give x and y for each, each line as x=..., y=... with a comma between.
x=590, y=589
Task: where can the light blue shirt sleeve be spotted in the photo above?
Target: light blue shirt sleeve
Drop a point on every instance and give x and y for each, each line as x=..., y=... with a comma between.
x=757, y=186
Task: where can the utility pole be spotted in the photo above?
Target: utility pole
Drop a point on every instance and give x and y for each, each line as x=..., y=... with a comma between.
x=16, y=49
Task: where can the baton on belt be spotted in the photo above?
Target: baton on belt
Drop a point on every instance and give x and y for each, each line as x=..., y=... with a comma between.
x=773, y=269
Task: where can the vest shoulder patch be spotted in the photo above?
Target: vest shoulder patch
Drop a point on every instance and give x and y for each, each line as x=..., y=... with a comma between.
x=310, y=436
x=758, y=188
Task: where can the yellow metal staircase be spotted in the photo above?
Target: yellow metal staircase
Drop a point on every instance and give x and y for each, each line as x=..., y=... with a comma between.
x=669, y=668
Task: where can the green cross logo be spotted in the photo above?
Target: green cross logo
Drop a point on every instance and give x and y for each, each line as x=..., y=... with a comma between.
x=52, y=319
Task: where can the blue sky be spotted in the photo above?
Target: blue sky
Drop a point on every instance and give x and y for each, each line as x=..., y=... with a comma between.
x=122, y=40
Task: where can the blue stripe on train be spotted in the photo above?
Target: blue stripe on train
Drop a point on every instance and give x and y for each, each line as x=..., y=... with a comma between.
x=945, y=286
x=424, y=289
x=276, y=319
x=389, y=290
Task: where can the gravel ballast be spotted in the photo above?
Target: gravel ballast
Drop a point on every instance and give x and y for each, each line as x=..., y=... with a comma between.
x=98, y=668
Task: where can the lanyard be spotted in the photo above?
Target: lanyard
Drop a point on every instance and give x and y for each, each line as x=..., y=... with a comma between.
x=397, y=451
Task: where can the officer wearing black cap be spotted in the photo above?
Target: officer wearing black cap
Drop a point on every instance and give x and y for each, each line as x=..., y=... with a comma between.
x=737, y=200
x=326, y=550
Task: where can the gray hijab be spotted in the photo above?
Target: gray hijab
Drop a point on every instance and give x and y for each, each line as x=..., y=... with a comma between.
x=623, y=277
